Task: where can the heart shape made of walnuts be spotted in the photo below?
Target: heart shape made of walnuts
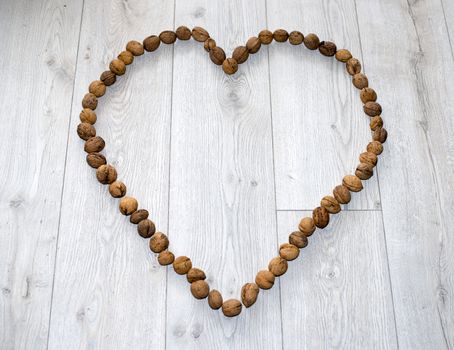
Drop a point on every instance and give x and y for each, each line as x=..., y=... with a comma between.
x=329, y=205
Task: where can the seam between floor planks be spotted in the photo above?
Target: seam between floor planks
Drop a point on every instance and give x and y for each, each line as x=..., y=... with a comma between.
x=64, y=172
x=168, y=186
x=377, y=173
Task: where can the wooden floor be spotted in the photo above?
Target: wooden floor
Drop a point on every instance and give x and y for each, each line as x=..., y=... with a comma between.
x=227, y=166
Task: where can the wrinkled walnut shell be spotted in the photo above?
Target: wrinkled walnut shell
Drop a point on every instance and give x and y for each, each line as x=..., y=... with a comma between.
x=249, y=294
x=352, y=182
x=200, y=289
x=146, y=228
x=330, y=204
x=182, y=265
x=321, y=217
x=215, y=299
x=278, y=266
x=298, y=239
x=195, y=274
x=158, y=242
x=231, y=308
x=307, y=226
x=265, y=279
x=342, y=194
x=289, y=251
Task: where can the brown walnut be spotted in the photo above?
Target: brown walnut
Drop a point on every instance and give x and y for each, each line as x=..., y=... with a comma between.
x=278, y=266
x=231, y=307
x=158, y=242
x=106, y=174
x=249, y=294
x=182, y=265
x=289, y=251
x=298, y=239
x=321, y=217
x=352, y=182
x=265, y=279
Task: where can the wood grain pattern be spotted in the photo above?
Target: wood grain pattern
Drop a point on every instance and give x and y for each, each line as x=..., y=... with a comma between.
x=315, y=108
x=336, y=295
x=39, y=44
x=214, y=158
x=416, y=168
x=109, y=289
x=448, y=16
x=222, y=205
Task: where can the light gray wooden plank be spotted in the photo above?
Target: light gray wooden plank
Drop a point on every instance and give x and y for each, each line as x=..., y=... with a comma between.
x=319, y=126
x=39, y=48
x=407, y=53
x=448, y=16
x=109, y=289
x=222, y=205
x=337, y=295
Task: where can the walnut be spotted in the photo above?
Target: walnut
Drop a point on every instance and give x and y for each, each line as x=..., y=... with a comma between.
x=296, y=38
x=158, y=242
x=117, y=67
x=375, y=147
x=138, y=216
x=195, y=274
x=146, y=228
x=330, y=204
x=168, y=37
x=298, y=239
x=200, y=289
x=307, y=226
x=151, y=43
x=135, y=48
x=217, y=55
x=311, y=41
x=94, y=144
x=231, y=307
x=108, y=78
x=353, y=66
x=342, y=194
x=289, y=251
x=343, y=55
x=117, y=189
x=106, y=174
x=240, y=54
x=327, y=48
x=230, y=66
x=85, y=131
x=200, y=34
x=360, y=81
x=183, y=33
x=249, y=294
x=265, y=279
x=95, y=160
x=278, y=266
x=215, y=299
x=87, y=116
x=253, y=44
x=280, y=35
x=368, y=95
x=265, y=37
x=97, y=88
x=128, y=205
x=372, y=108
x=321, y=217
x=352, y=182
x=182, y=265
x=166, y=257
x=364, y=171
x=90, y=101
x=126, y=56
